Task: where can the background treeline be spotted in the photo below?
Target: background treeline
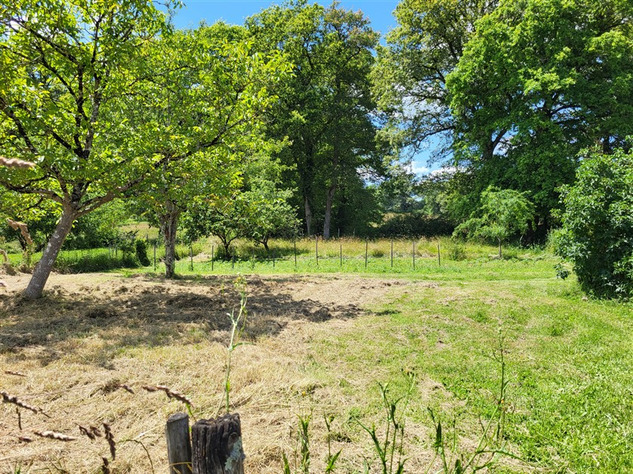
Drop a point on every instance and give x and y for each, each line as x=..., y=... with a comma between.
x=301, y=122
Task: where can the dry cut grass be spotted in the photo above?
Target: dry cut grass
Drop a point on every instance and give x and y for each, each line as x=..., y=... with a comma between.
x=84, y=357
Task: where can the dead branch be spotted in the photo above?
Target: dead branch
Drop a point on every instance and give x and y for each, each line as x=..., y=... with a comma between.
x=15, y=163
x=15, y=225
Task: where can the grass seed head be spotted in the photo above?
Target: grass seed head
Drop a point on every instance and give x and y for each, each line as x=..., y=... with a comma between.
x=55, y=435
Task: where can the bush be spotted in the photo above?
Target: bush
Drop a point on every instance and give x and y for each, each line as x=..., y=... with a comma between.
x=141, y=252
x=414, y=224
x=94, y=261
x=597, y=233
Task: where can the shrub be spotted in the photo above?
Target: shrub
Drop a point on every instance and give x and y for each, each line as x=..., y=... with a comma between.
x=414, y=224
x=141, y=252
x=503, y=213
x=597, y=233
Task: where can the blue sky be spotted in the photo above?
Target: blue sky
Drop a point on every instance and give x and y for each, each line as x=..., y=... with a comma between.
x=236, y=11
x=380, y=13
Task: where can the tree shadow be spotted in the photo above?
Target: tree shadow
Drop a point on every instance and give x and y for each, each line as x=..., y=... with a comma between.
x=149, y=312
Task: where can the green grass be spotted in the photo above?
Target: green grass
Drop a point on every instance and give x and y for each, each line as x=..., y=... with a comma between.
x=569, y=360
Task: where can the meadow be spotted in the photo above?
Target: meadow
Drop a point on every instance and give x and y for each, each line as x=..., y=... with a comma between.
x=515, y=363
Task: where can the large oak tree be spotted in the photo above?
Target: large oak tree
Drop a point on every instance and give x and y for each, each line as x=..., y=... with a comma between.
x=325, y=107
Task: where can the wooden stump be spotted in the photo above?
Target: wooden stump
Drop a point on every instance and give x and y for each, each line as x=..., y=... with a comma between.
x=178, y=444
x=217, y=446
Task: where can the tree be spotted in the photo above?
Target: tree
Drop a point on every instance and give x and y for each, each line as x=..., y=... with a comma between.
x=255, y=208
x=503, y=212
x=202, y=111
x=269, y=213
x=67, y=67
x=597, y=232
x=545, y=78
x=325, y=107
x=410, y=74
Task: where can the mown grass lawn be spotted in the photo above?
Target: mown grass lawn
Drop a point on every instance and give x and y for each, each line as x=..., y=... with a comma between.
x=568, y=359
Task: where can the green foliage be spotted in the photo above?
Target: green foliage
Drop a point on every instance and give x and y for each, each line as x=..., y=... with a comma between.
x=414, y=224
x=100, y=260
x=326, y=111
x=389, y=447
x=140, y=247
x=538, y=81
x=597, y=233
x=97, y=229
x=503, y=212
x=69, y=69
x=269, y=213
x=410, y=76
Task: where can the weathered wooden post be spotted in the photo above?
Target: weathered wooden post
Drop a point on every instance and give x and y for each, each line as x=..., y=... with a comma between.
x=316, y=249
x=154, y=255
x=366, y=250
x=217, y=446
x=439, y=256
x=340, y=253
x=178, y=444
x=294, y=242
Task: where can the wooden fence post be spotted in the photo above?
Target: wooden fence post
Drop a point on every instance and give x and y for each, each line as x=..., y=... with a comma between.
x=366, y=250
x=217, y=446
x=178, y=444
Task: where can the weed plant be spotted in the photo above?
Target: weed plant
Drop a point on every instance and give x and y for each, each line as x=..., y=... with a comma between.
x=390, y=447
x=238, y=322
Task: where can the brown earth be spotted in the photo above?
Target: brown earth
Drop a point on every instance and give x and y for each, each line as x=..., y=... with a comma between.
x=69, y=353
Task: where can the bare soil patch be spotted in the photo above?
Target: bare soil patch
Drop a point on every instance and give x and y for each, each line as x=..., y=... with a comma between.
x=70, y=353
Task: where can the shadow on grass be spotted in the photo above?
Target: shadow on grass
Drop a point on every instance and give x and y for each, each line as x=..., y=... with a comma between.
x=149, y=311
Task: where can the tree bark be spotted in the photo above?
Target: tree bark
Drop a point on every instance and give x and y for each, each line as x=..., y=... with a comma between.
x=308, y=213
x=329, y=199
x=169, y=227
x=328, y=211
x=217, y=446
x=45, y=265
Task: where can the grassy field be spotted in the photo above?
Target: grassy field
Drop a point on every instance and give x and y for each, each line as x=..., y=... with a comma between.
x=322, y=342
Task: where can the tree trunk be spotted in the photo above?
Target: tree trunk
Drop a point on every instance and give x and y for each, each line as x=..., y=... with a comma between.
x=308, y=212
x=329, y=199
x=169, y=227
x=328, y=211
x=45, y=265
